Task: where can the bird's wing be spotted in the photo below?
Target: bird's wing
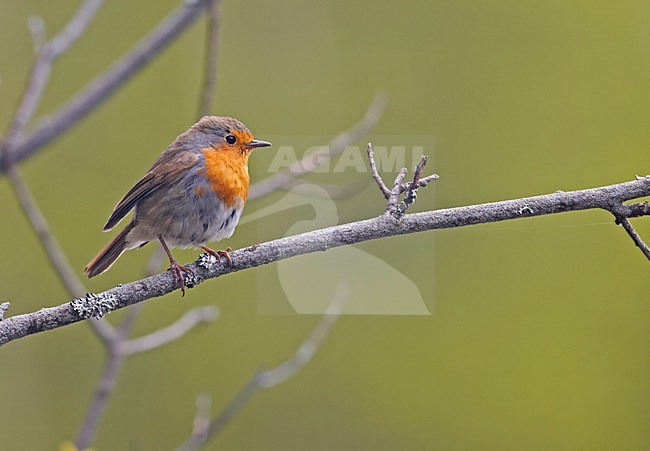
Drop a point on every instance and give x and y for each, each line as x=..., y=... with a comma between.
x=166, y=171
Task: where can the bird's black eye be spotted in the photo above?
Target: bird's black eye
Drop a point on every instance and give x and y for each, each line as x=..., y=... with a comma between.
x=230, y=139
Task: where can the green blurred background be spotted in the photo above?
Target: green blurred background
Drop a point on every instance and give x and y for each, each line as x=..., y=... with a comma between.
x=538, y=337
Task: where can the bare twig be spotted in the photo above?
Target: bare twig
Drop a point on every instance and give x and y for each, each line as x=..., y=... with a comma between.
x=52, y=249
x=274, y=376
x=172, y=332
x=394, y=207
x=602, y=197
x=375, y=174
x=412, y=191
x=103, y=390
x=211, y=59
x=119, y=347
x=3, y=308
x=98, y=90
x=413, y=186
x=36, y=26
x=335, y=146
x=39, y=77
x=634, y=235
x=306, y=351
x=202, y=417
x=153, y=265
x=42, y=68
x=424, y=181
x=114, y=360
x=75, y=28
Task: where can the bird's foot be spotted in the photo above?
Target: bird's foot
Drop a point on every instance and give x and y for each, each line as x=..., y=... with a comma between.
x=178, y=271
x=219, y=254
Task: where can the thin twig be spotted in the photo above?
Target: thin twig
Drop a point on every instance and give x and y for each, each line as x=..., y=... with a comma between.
x=172, y=332
x=120, y=347
x=336, y=146
x=47, y=54
x=51, y=246
x=211, y=59
x=413, y=186
x=103, y=390
x=424, y=181
x=411, y=193
x=36, y=26
x=277, y=375
x=202, y=417
x=375, y=174
x=635, y=236
x=112, y=366
x=603, y=197
x=392, y=206
x=98, y=90
x=126, y=325
x=75, y=27
x=42, y=68
x=3, y=308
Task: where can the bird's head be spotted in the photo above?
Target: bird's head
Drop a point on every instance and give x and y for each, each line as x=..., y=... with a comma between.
x=227, y=134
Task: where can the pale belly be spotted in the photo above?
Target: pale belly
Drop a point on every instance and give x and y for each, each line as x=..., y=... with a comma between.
x=183, y=218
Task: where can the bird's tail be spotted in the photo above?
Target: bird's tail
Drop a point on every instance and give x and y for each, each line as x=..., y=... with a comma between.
x=107, y=256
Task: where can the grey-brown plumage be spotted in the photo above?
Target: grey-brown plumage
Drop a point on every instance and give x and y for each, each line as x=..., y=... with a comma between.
x=193, y=193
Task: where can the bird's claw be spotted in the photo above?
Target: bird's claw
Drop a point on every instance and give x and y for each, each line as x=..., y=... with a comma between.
x=178, y=271
x=218, y=254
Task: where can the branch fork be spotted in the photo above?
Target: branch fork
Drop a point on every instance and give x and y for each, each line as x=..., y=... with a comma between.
x=408, y=191
x=622, y=213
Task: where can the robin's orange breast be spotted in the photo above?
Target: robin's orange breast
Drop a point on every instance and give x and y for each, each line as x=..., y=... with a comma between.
x=226, y=169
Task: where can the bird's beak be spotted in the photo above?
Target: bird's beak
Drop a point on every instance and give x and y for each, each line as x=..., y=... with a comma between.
x=257, y=143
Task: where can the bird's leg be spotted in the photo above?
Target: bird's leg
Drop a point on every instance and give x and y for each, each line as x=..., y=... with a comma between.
x=175, y=266
x=219, y=254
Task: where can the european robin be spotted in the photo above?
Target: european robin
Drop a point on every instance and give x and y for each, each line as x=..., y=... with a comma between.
x=194, y=193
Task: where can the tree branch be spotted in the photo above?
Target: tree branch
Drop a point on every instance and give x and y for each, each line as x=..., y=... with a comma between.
x=375, y=174
x=120, y=348
x=47, y=53
x=211, y=59
x=605, y=197
x=269, y=378
x=394, y=207
x=52, y=249
x=103, y=391
x=98, y=90
x=634, y=235
x=172, y=332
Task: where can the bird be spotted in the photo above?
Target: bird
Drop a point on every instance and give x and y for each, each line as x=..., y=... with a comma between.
x=194, y=193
